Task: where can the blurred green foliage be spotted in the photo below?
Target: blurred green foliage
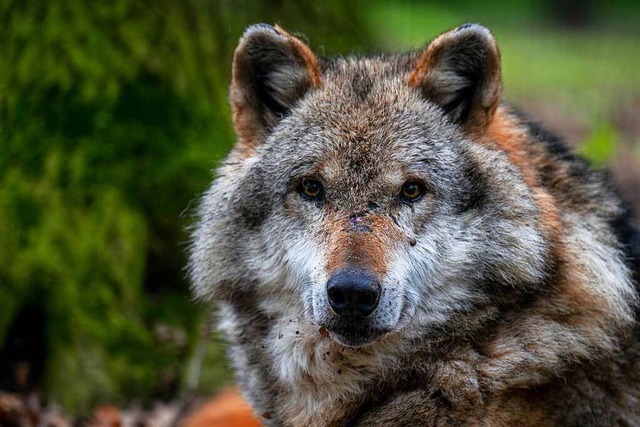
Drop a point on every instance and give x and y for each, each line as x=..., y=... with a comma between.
x=111, y=116
x=600, y=145
x=589, y=68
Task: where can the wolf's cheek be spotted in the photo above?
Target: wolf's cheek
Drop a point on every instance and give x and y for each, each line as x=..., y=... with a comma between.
x=252, y=200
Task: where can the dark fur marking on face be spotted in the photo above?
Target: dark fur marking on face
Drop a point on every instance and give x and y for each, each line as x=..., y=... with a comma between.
x=252, y=202
x=357, y=164
x=245, y=301
x=474, y=194
x=361, y=85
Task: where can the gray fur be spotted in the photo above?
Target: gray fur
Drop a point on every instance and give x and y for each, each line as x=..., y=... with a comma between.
x=488, y=314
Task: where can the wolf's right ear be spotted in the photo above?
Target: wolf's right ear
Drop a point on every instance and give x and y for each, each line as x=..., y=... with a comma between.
x=272, y=70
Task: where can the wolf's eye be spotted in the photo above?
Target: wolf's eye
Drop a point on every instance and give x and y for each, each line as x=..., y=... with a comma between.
x=310, y=189
x=412, y=191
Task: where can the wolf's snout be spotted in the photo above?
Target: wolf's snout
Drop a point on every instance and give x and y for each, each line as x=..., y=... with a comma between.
x=353, y=293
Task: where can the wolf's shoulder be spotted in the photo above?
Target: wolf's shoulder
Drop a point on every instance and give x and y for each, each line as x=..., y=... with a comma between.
x=578, y=185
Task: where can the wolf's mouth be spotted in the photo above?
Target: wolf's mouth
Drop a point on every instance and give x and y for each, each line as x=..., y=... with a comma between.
x=354, y=334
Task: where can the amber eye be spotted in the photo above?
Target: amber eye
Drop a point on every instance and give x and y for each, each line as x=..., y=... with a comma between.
x=310, y=189
x=412, y=191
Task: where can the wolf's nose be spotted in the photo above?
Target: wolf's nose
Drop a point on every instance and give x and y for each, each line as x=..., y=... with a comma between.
x=353, y=292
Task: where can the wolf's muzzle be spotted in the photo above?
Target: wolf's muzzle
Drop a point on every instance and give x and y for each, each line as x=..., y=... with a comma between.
x=353, y=293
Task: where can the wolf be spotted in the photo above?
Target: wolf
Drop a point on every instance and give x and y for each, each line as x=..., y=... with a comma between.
x=389, y=244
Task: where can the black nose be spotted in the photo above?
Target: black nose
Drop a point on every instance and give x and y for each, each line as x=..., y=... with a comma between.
x=353, y=292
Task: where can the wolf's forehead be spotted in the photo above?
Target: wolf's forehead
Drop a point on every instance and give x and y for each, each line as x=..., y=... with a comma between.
x=366, y=117
x=355, y=143
x=375, y=83
x=363, y=125
x=369, y=99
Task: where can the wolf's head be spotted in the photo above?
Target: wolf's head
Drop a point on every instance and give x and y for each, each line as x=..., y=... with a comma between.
x=360, y=197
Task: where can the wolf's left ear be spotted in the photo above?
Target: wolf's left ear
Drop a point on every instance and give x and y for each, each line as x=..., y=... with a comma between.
x=272, y=70
x=460, y=71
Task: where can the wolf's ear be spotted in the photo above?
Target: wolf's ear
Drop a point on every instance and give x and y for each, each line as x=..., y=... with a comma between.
x=272, y=70
x=460, y=71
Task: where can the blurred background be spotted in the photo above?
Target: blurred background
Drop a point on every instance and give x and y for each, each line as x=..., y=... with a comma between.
x=113, y=114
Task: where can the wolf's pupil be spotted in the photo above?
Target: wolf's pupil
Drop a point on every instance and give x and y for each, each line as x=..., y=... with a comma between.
x=310, y=189
x=411, y=191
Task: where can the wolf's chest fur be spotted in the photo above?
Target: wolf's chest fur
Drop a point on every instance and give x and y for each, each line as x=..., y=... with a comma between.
x=391, y=245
